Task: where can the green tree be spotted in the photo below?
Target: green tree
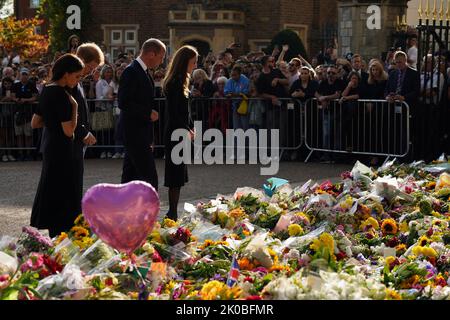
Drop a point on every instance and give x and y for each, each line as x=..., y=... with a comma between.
x=290, y=38
x=55, y=12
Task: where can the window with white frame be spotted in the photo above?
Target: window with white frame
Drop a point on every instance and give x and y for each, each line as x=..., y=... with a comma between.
x=121, y=39
x=116, y=37
x=34, y=4
x=130, y=36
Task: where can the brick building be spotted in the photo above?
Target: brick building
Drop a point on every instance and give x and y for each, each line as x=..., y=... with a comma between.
x=208, y=24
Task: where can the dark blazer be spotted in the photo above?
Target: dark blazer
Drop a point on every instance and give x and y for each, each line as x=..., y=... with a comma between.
x=136, y=100
x=410, y=88
x=82, y=129
x=177, y=109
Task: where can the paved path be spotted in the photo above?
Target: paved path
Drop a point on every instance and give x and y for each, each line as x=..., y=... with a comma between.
x=19, y=182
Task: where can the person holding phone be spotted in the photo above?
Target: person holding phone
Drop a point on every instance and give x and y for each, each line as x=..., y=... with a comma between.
x=55, y=206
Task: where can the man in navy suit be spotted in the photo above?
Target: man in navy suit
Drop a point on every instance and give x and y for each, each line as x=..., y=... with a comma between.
x=404, y=82
x=136, y=101
x=403, y=86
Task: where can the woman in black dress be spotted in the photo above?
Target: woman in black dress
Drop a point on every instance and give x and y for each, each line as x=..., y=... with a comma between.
x=176, y=90
x=55, y=204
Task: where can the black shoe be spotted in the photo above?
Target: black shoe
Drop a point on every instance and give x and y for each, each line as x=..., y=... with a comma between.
x=171, y=217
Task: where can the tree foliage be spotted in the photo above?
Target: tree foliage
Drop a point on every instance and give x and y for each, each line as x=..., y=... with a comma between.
x=20, y=35
x=55, y=12
x=290, y=38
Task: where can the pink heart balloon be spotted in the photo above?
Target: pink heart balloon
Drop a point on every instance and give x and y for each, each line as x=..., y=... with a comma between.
x=122, y=215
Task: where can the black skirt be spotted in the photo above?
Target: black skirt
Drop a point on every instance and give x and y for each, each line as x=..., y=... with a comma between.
x=175, y=175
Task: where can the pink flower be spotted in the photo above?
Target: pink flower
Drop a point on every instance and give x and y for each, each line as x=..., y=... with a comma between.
x=4, y=281
x=35, y=262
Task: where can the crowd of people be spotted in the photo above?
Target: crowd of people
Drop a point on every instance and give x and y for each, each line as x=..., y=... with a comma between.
x=325, y=77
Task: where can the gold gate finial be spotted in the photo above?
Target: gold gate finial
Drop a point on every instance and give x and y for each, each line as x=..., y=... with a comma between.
x=427, y=9
x=420, y=11
x=448, y=10
x=441, y=11
x=435, y=10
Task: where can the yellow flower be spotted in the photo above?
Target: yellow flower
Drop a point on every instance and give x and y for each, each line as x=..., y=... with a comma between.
x=192, y=294
x=328, y=241
x=61, y=238
x=429, y=252
x=436, y=214
x=304, y=216
x=84, y=242
x=156, y=236
x=215, y=290
x=237, y=213
x=400, y=247
x=370, y=222
x=392, y=295
x=169, y=223
x=423, y=241
x=325, y=240
x=404, y=227
x=79, y=220
x=389, y=260
x=347, y=204
x=295, y=230
x=79, y=232
x=425, y=251
x=389, y=226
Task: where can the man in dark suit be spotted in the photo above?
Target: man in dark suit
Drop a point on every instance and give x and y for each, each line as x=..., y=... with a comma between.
x=357, y=67
x=136, y=101
x=404, y=82
x=403, y=86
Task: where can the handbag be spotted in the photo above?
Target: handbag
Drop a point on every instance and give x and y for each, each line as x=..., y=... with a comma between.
x=243, y=106
x=102, y=120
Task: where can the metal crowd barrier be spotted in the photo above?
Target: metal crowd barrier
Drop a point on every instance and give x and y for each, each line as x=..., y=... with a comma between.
x=15, y=127
x=366, y=127
x=219, y=113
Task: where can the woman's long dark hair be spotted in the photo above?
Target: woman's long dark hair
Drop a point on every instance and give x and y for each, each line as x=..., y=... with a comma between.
x=178, y=68
x=68, y=63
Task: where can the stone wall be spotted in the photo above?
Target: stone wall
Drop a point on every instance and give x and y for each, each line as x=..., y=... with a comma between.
x=354, y=35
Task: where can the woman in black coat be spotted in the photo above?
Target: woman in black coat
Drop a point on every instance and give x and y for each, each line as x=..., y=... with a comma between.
x=176, y=90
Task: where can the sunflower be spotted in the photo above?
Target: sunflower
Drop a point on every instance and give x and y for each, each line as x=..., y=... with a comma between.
x=389, y=226
x=401, y=247
x=61, y=238
x=423, y=241
x=79, y=232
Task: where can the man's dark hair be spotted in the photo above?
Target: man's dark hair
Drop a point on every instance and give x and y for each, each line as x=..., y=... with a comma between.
x=265, y=59
x=237, y=68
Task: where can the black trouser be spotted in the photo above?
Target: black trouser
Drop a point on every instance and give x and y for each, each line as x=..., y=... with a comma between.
x=79, y=172
x=139, y=164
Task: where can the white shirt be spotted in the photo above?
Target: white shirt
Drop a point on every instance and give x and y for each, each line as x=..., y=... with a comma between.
x=293, y=78
x=433, y=85
x=143, y=65
x=103, y=91
x=16, y=59
x=412, y=55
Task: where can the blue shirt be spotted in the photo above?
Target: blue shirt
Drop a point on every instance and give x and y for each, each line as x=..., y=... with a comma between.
x=237, y=87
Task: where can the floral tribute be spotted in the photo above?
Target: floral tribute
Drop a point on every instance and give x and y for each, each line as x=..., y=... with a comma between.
x=374, y=234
